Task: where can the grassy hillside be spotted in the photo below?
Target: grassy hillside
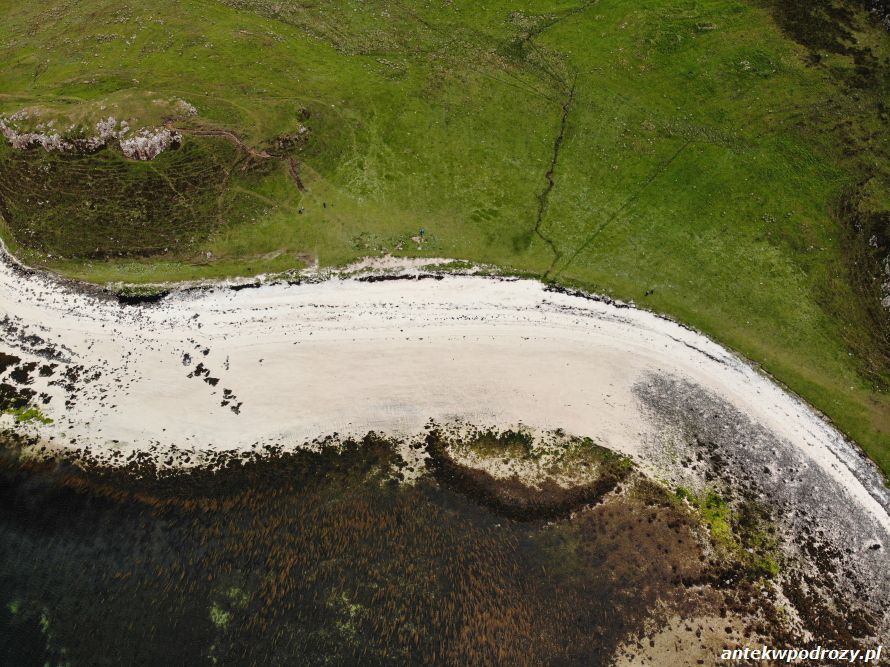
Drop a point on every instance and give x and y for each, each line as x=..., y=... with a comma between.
x=723, y=161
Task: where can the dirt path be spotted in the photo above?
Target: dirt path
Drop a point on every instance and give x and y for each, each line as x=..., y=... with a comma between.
x=225, y=134
x=293, y=168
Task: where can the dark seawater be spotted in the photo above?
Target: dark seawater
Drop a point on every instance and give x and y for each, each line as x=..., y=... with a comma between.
x=318, y=559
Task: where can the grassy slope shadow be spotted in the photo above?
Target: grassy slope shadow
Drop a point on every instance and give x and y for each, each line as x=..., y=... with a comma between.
x=102, y=205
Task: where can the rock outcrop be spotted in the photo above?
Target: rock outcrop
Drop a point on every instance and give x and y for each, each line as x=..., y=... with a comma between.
x=146, y=143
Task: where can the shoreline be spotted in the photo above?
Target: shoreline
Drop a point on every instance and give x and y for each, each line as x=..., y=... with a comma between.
x=247, y=342
x=211, y=375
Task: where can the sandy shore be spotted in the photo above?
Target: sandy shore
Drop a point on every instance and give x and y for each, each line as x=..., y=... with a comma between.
x=226, y=369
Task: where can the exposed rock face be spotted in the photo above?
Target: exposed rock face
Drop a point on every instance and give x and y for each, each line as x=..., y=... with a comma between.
x=148, y=144
x=142, y=144
x=50, y=140
x=885, y=286
x=881, y=10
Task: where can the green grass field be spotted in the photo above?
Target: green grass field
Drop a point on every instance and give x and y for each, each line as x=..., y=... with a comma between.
x=726, y=162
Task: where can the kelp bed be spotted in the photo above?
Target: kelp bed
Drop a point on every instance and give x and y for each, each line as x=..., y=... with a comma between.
x=340, y=557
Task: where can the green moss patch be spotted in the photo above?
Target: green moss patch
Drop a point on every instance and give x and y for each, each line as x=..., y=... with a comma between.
x=28, y=414
x=743, y=534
